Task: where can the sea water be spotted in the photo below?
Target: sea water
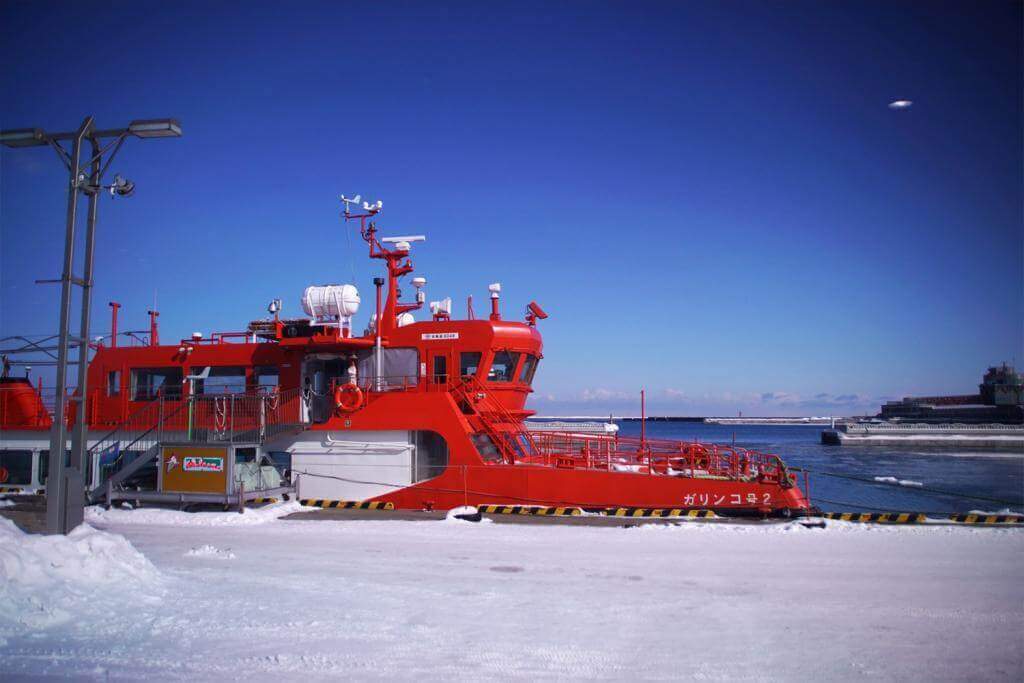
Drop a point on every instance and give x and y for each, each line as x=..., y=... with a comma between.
x=934, y=480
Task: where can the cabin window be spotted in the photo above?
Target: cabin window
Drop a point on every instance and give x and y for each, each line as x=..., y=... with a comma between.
x=114, y=383
x=15, y=468
x=148, y=383
x=529, y=368
x=282, y=460
x=503, y=366
x=431, y=455
x=245, y=454
x=267, y=377
x=221, y=380
x=44, y=464
x=469, y=363
x=486, y=447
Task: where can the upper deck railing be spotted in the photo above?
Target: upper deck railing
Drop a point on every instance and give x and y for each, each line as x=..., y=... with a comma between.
x=253, y=417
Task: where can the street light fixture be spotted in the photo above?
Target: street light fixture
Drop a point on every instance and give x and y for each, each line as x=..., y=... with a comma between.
x=155, y=128
x=65, y=486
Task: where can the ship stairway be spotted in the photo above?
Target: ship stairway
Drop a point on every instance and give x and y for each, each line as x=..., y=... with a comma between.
x=135, y=442
x=139, y=435
x=509, y=435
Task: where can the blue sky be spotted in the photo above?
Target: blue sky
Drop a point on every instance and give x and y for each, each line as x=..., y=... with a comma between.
x=712, y=200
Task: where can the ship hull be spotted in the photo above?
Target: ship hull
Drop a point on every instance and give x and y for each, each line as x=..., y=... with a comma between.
x=595, y=490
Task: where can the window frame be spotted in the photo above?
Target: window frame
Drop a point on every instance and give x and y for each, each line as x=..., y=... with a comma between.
x=199, y=388
x=530, y=361
x=114, y=381
x=510, y=378
x=171, y=390
x=259, y=371
x=13, y=454
x=462, y=363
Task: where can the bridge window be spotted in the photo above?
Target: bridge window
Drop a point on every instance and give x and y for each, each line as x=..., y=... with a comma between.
x=529, y=368
x=148, y=383
x=222, y=380
x=503, y=367
x=469, y=363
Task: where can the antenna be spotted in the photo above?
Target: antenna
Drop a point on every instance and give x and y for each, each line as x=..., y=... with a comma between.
x=404, y=238
x=349, y=201
x=419, y=283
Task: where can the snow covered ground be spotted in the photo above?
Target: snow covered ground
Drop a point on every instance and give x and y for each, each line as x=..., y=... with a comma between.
x=227, y=596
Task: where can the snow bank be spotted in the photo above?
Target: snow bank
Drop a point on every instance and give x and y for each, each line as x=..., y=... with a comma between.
x=162, y=517
x=49, y=580
x=401, y=600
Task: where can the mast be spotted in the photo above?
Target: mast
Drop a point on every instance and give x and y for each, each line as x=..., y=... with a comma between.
x=396, y=259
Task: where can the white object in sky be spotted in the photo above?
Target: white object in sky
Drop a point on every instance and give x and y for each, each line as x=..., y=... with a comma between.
x=331, y=300
x=404, y=238
x=900, y=104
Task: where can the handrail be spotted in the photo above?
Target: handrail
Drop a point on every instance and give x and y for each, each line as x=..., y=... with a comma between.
x=122, y=425
x=655, y=457
x=131, y=445
x=511, y=442
x=250, y=418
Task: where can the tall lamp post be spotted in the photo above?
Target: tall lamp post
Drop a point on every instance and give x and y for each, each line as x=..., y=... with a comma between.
x=65, y=486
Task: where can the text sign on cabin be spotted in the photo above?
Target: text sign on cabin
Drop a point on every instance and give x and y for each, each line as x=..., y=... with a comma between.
x=434, y=336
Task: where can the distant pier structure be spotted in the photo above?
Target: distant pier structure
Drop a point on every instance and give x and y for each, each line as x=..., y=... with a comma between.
x=1000, y=400
x=992, y=418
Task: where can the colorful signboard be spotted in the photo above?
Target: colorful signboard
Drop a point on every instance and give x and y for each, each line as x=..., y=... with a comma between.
x=194, y=469
x=201, y=464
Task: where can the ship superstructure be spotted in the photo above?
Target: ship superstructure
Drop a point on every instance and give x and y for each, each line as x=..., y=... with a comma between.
x=417, y=414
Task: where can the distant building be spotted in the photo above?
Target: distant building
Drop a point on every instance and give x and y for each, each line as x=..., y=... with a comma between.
x=1000, y=399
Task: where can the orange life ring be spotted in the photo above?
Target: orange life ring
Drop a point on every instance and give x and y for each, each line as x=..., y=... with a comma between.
x=348, y=398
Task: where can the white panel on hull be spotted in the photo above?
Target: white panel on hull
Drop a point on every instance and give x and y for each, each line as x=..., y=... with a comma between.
x=352, y=465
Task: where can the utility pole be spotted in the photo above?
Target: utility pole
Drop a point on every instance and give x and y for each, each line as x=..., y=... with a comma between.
x=65, y=486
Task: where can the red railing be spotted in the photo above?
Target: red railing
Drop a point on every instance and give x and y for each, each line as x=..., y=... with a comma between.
x=513, y=441
x=612, y=452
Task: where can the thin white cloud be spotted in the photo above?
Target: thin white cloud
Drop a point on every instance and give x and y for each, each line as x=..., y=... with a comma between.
x=601, y=394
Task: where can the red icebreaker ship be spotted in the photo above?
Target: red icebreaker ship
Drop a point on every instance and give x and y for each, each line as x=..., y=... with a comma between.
x=422, y=414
